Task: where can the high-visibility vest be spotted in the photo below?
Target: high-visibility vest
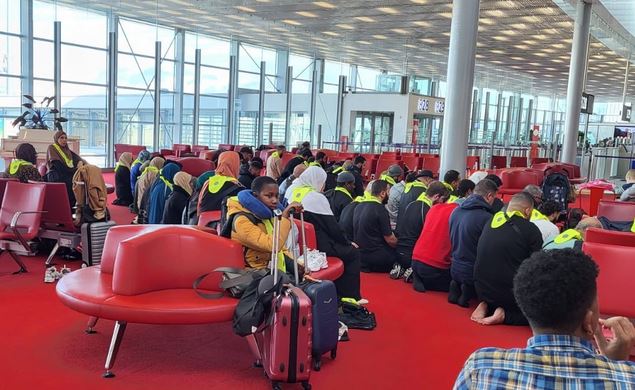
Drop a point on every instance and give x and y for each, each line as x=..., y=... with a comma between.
x=369, y=198
x=275, y=155
x=345, y=191
x=216, y=182
x=424, y=198
x=448, y=186
x=633, y=226
x=300, y=192
x=452, y=199
x=167, y=183
x=315, y=164
x=337, y=170
x=16, y=163
x=68, y=161
x=567, y=235
x=388, y=179
x=150, y=168
x=537, y=215
x=414, y=184
x=501, y=217
x=269, y=228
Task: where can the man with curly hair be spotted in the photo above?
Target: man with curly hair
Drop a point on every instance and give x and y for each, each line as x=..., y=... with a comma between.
x=557, y=292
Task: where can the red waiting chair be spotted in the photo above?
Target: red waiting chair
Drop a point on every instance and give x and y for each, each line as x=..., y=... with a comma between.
x=518, y=162
x=431, y=163
x=609, y=237
x=335, y=267
x=195, y=166
x=499, y=162
x=20, y=219
x=616, y=211
x=412, y=162
x=615, y=280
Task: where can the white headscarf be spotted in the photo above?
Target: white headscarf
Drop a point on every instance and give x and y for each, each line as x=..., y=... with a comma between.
x=314, y=202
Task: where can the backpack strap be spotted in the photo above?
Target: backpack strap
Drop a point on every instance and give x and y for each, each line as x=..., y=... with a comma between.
x=246, y=276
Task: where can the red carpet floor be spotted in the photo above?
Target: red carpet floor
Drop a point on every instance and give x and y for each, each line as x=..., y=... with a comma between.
x=420, y=341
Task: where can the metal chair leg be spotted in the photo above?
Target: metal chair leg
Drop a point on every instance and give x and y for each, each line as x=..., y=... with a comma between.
x=52, y=254
x=115, y=342
x=19, y=262
x=92, y=321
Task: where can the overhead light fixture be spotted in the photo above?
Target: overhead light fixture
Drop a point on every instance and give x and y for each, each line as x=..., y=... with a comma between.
x=331, y=33
x=522, y=47
x=367, y=19
x=345, y=26
x=422, y=23
x=500, y=38
x=245, y=9
x=379, y=36
x=325, y=4
x=429, y=40
x=291, y=22
x=307, y=14
x=487, y=21
x=364, y=42
x=388, y=10
x=447, y=15
x=400, y=31
x=410, y=45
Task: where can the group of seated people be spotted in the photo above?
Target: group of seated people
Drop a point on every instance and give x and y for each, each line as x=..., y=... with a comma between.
x=84, y=182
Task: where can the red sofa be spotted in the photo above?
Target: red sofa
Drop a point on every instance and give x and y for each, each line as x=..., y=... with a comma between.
x=146, y=275
x=616, y=210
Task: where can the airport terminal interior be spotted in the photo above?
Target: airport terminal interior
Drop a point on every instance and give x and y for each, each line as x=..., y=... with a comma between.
x=139, y=138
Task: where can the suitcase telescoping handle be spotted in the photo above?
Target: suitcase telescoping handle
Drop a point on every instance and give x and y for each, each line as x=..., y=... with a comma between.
x=277, y=216
x=295, y=253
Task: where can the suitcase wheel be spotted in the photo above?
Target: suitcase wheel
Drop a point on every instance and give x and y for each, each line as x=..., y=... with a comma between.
x=317, y=363
x=334, y=353
x=306, y=385
x=276, y=386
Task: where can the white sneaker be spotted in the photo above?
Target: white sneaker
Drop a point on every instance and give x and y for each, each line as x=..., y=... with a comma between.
x=64, y=271
x=325, y=263
x=49, y=275
x=363, y=301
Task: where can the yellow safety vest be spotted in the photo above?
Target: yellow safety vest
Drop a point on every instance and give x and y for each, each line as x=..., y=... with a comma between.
x=537, y=216
x=414, y=184
x=567, y=235
x=345, y=191
x=633, y=226
x=136, y=161
x=424, y=198
x=16, y=163
x=452, y=199
x=167, y=183
x=369, y=198
x=300, y=192
x=389, y=179
x=338, y=170
x=501, y=217
x=275, y=155
x=216, y=182
x=150, y=168
x=315, y=164
x=118, y=165
x=68, y=161
x=448, y=186
x=281, y=263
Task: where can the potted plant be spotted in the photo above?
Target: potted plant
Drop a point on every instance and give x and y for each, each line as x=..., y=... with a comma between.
x=39, y=116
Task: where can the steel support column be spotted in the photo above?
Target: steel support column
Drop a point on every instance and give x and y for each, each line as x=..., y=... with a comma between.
x=197, y=96
x=57, y=65
x=26, y=43
x=287, y=118
x=231, y=97
x=261, y=104
x=157, y=97
x=340, y=107
x=315, y=79
x=460, y=78
x=576, y=78
x=112, y=96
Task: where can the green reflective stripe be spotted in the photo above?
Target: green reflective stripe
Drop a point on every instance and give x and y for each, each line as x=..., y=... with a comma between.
x=448, y=186
x=338, y=170
x=452, y=199
x=370, y=198
x=388, y=179
x=501, y=217
x=424, y=198
x=16, y=163
x=537, y=215
x=68, y=161
x=216, y=182
x=299, y=193
x=136, y=161
x=269, y=228
x=275, y=155
x=167, y=183
x=315, y=164
x=567, y=235
x=633, y=226
x=117, y=166
x=345, y=191
x=414, y=184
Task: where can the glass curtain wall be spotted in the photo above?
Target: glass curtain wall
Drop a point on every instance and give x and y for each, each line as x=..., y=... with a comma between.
x=10, y=65
x=214, y=86
x=301, y=98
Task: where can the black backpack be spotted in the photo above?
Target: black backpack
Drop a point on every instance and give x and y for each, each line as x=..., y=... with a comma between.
x=557, y=188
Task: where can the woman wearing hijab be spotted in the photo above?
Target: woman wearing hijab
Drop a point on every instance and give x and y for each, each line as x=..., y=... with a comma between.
x=62, y=163
x=306, y=190
x=135, y=169
x=191, y=216
x=223, y=184
x=250, y=218
x=160, y=191
x=122, y=180
x=22, y=167
x=142, y=190
x=177, y=201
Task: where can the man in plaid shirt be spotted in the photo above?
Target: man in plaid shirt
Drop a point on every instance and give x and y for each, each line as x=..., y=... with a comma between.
x=556, y=290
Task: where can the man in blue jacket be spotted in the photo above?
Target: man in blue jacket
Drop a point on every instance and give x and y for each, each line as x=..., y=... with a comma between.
x=466, y=225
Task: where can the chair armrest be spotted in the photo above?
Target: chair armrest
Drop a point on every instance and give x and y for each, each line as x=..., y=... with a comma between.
x=13, y=226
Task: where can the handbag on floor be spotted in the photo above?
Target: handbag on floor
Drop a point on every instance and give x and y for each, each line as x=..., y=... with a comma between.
x=235, y=281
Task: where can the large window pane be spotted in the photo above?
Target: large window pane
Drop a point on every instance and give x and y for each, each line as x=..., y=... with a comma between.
x=85, y=108
x=85, y=65
x=139, y=38
x=9, y=55
x=213, y=51
x=79, y=26
x=135, y=73
x=215, y=81
x=10, y=101
x=249, y=58
x=42, y=59
x=10, y=16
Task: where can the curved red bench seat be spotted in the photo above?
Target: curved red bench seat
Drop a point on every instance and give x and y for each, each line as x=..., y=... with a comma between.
x=334, y=270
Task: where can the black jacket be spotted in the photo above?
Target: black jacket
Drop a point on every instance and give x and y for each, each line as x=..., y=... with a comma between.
x=288, y=169
x=338, y=200
x=359, y=181
x=123, y=189
x=245, y=178
x=174, y=206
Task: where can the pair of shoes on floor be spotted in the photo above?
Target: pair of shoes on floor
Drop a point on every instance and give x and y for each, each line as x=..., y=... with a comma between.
x=353, y=301
x=343, y=332
x=460, y=294
x=408, y=276
x=397, y=271
x=357, y=317
x=52, y=274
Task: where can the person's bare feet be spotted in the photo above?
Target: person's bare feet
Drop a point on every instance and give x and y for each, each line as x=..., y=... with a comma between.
x=479, y=313
x=497, y=318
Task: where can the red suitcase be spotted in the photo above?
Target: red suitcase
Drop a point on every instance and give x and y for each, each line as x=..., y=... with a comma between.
x=284, y=344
